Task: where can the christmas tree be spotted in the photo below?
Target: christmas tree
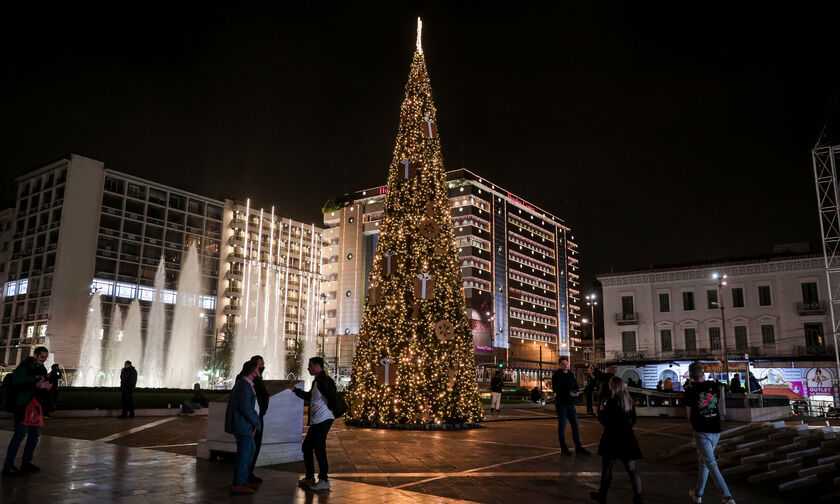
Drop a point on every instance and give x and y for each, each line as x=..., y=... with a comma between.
x=414, y=363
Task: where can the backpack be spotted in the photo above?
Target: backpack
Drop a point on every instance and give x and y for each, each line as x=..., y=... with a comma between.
x=9, y=396
x=340, y=407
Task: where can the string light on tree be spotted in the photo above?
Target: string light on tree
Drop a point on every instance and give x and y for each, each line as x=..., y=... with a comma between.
x=414, y=363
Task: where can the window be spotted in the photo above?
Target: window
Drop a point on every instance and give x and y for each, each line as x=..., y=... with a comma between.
x=104, y=287
x=176, y=201
x=814, y=336
x=741, y=338
x=628, y=341
x=627, y=307
x=764, y=295
x=809, y=293
x=714, y=338
x=157, y=196
x=114, y=185
x=665, y=337
x=712, y=299
x=214, y=212
x=146, y=293
x=196, y=207
x=664, y=302
x=768, y=334
x=688, y=301
x=136, y=191
x=737, y=297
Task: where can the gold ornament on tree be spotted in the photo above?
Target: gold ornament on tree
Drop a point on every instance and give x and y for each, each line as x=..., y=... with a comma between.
x=429, y=228
x=444, y=330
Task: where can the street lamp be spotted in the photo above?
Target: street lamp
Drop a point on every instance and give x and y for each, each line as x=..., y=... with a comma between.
x=591, y=301
x=721, y=280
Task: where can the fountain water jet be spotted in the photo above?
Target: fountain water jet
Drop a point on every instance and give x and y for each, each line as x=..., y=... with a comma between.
x=184, y=355
x=153, y=354
x=90, y=361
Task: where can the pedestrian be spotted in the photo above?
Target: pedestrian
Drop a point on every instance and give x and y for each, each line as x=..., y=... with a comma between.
x=588, y=390
x=322, y=402
x=618, y=442
x=262, y=402
x=496, y=392
x=198, y=401
x=565, y=387
x=536, y=394
x=659, y=385
x=755, y=385
x=53, y=378
x=704, y=399
x=603, y=379
x=30, y=382
x=668, y=385
x=735, y=385
x=128, y=381
x=242, y=420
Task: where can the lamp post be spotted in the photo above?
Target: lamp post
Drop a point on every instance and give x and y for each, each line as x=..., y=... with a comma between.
x=591, y=301
x=721, y=280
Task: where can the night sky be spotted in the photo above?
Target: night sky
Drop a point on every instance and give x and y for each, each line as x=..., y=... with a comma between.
x=659, y=136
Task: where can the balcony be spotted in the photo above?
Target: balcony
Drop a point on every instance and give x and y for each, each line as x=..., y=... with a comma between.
x=233, y=275
x=821, y=350
x=816, y=308
x=233, y=293
x=629, y=318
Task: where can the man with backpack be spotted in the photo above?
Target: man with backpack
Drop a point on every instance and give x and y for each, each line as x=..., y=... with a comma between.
x=324, y=407
x=30, y=390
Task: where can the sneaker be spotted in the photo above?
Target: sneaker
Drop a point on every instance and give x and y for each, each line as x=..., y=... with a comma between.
x=29, y=467
x=242, y=490
x=728, y=500
x=323, y=485
x=12, y=471
x=696, y=499
x=307, y=482
x=582, y=451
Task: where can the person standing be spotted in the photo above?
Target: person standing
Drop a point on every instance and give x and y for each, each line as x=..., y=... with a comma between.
x=496, y=392
x=618, y=442
x=603, y=379
x=565, y=387
x=755, y=384
x=53, y=378
x=262, y=402
x=322, y=401
x=242, y=420
x=704, y=399
x=735, y=385
x=668, y=385
x=29, y=381
x=588, y=391
x=128, y=381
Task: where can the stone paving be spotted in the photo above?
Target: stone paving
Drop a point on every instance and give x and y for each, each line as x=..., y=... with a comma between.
x=515, y=456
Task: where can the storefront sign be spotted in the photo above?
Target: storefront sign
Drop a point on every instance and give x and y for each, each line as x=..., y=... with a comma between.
x=818, y=382
x=480, y=347
x=717, y=367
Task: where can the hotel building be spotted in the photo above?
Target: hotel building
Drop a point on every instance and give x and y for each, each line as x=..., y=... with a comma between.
x=519, y=266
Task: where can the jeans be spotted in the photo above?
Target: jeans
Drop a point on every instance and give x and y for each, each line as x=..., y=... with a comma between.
x=565, y=411
x=706, y=442
x=495, y=400
x=22, y=431
x=316, y=440
x=244, y=455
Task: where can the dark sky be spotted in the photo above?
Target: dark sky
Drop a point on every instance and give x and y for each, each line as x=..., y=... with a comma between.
x=660, y=136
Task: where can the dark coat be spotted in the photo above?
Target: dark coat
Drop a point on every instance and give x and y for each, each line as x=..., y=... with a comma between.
x=262, y=393
x=618, y=440
x=603, y=387
x=241, y=416
x=496, y=384
x=128, y=378
x=326, y=386
x=25, y=376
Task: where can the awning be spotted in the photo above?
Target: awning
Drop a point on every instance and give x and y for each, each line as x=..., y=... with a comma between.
x=781, y=390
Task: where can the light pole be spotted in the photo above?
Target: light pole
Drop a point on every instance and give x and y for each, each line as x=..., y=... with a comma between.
x=721, y=280
x=591, y=301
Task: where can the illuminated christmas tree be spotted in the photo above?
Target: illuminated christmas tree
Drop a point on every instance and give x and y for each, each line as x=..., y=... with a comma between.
x=414, y=363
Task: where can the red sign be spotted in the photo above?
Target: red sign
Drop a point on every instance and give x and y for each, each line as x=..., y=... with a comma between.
x=383, y=190
x=517, y=200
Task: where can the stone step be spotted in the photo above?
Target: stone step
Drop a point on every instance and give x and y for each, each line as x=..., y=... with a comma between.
x=799, y=483
x=818, y=470
x=827, y=460
x=779, y=464
x=809, y=452
x=795, y=445
x=775, y=473
x=831, y=444
x=740, y=470
x=758, y=458
x=833, y=497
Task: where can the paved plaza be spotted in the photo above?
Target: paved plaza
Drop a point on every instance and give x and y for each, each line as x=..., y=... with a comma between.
x=513, y=457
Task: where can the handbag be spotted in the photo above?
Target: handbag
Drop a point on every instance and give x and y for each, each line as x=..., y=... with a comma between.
x=34, y=415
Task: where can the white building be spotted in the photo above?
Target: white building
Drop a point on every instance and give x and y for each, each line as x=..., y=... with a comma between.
x=658, y=321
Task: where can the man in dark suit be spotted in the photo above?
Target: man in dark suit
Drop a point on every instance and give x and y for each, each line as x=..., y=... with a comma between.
x=128, y=381
x=262, y=402
x=242, y=420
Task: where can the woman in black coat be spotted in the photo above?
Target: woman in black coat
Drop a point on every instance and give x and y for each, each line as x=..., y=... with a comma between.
x=618, y=442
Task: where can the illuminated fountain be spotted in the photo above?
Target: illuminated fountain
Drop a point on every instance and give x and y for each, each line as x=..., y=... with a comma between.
x=153, y=351
x=184, y=357
x=90, y=361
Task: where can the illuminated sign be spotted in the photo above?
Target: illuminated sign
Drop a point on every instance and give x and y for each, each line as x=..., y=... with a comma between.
x=383, y=190
x=517, y=200
x=479, y=347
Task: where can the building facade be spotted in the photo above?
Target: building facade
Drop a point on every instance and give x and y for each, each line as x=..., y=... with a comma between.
x=519, y=267
x=774, y=321
x=79, y=227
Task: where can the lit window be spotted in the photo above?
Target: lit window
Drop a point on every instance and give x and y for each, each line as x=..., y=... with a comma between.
x=169, y=296
x=104, y=287
x=146, y=294
x=11, y=288
x=208, y=302
x=23, y=286
x=125, y=290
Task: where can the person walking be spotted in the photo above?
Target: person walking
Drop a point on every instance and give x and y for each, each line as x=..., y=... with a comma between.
x=565, y=387
x=29, y=381
x=322, y=399
x=128, y=381
x=242, y=420
x=618, y=442
x=262, y=402
x=704, y=399
x=496, y=391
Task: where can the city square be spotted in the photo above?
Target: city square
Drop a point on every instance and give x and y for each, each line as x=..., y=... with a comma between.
x=589, y=266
